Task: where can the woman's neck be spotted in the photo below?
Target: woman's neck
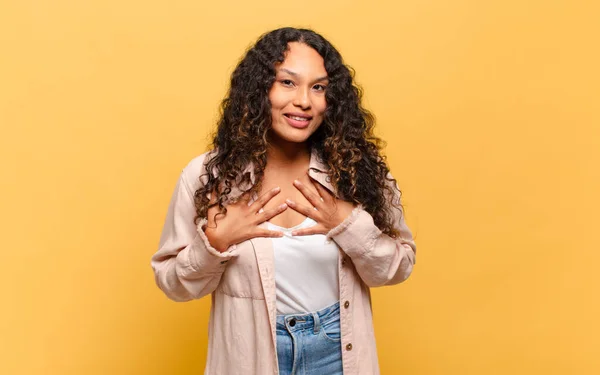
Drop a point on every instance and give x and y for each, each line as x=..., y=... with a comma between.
x=289, y=157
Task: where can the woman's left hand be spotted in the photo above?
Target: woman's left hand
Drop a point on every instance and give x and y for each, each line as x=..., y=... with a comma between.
x=329, y=213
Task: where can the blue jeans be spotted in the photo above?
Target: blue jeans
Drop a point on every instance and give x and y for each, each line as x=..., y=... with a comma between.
x=310, y=343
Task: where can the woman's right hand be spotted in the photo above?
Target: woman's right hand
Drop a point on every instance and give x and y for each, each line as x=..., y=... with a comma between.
x=241, y=221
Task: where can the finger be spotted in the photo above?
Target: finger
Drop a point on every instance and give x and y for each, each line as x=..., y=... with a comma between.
x=315, y=229
x=306, y=211
x=313, y=184
x=324, y=193
x=260, y=202
x=267, y=215
x=268, y=233
x=313, y=198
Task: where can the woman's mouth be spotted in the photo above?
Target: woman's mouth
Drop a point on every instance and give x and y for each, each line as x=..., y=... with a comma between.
x=298, y=121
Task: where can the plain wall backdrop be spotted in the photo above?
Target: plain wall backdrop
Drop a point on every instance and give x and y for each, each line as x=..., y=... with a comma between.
x=491, y=114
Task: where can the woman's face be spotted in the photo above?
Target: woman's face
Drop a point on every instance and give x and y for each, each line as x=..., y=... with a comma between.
x=298, y=94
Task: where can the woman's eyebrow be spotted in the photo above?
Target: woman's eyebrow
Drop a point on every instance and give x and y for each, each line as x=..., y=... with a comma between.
x=294, y=74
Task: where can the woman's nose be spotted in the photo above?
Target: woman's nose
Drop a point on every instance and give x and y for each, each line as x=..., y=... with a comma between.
x=302, y=100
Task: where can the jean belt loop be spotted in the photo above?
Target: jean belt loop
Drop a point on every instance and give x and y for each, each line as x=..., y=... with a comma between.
x=317, y=322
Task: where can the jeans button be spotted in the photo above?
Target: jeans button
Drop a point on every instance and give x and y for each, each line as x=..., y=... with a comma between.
x=349, y=347
x=292, y=322
x=346, y=304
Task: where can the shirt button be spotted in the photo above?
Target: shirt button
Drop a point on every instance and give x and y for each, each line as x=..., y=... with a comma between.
x=346, y=304
x=349, y=347
x=292, y=322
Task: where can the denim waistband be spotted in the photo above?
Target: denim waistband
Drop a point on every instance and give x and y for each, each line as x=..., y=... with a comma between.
x=308, y=320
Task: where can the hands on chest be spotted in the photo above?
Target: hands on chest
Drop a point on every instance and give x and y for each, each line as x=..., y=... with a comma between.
x=241, y=222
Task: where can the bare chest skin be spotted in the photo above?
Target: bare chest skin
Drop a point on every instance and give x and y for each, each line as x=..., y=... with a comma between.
x=273, y=178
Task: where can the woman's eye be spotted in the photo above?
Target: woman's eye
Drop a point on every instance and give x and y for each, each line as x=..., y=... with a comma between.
x=320, y=87
x=287, y=82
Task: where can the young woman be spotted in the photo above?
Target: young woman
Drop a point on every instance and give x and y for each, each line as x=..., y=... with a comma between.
x=289, y=219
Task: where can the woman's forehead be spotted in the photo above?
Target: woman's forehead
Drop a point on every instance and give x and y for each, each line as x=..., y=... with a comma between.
x=301, y=59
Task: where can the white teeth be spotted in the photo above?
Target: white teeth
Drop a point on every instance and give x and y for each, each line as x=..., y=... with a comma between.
x=298, y=118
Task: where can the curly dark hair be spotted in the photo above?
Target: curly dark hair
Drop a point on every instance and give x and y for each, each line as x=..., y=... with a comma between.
x=344, y=141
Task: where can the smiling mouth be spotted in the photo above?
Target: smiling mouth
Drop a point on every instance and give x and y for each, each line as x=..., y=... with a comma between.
x=298, y=118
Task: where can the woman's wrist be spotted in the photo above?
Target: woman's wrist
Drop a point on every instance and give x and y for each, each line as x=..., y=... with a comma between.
x=219, y=245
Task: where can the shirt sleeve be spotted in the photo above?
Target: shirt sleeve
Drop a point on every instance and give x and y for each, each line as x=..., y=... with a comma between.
x=378, y=258
x=186, y=266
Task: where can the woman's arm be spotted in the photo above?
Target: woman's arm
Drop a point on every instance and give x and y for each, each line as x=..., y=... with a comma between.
x=186, y=266
x=378, y=258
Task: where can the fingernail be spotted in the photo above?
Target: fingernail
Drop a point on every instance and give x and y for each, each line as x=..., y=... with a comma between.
x=289, y=201
x=296, y=182
x=277, y=188
x=282, y=206
x=293, y=233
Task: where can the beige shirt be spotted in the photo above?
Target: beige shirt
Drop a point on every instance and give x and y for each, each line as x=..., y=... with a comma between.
x=241, y=280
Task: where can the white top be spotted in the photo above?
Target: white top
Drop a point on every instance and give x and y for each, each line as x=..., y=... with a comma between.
x=306, y=270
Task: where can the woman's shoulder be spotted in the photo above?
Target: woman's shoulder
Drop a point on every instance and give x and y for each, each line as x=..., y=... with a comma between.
x=195, y=168
x=198, y=162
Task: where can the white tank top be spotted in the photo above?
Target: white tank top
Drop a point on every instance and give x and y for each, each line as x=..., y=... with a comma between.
x=306, y=270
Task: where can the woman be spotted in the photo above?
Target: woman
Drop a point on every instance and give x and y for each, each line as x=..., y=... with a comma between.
x=289, y=219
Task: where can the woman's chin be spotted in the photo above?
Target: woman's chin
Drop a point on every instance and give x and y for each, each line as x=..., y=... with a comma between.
x=290, y=136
